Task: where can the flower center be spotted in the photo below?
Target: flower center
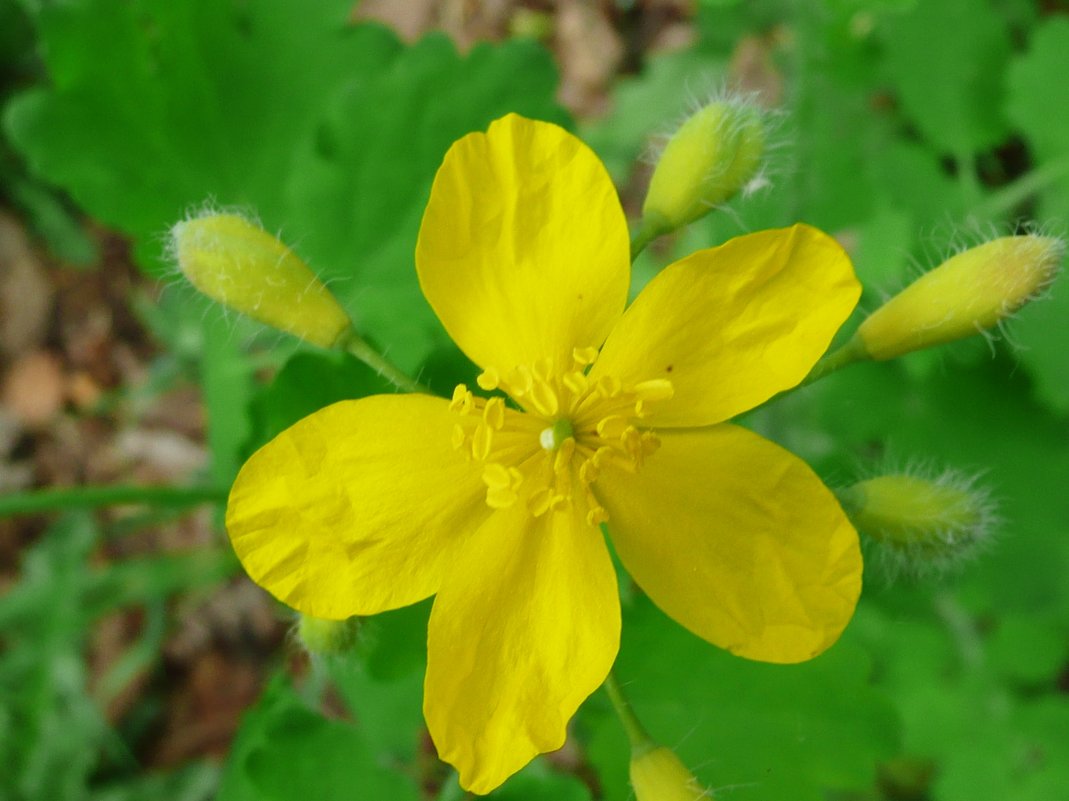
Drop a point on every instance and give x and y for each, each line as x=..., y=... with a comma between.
x=553, y=437
x=572, y=428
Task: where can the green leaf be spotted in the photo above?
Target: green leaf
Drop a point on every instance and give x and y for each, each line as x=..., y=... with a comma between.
x=649, y=105
x=195, y=100
x=287, y=752
x=1034, y=87
x=226, y=381
x=537, y=782
x=330, y=132
x=384, y=688
x=945, y=59
x=1028, y=651
x=304, y=755
x=770, y=732
x=307, y=382
x=357, y=202
x=51, y=733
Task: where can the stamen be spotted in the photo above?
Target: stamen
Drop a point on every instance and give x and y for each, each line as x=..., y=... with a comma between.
x=543, y=399
x=583, y=428
x=538, y=503
x=496, y=476
x=612, y=427
x=608, y=386
x=560, y=503
x=588, y=472
x=462, y=400
x=480, y=443
x=584, y=357
x=501, y=498
x=494, y=413
x=563, y=457
x=520, y=380
x=656, y=389
x=577, y=383
x=596, y=515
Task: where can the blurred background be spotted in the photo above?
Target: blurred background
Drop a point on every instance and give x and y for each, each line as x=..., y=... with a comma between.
x=136, y=661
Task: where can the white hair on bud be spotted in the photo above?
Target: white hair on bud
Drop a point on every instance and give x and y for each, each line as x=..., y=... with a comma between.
x=945, y=550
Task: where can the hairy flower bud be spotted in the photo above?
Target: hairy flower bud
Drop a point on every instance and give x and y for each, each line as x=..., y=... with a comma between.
x=327, y=637
x=965, y=295
x=658, y=774
x=922, y=524
x=713, y=155
x=240, y=265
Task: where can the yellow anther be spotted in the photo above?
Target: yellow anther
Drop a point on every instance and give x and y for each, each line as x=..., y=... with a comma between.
x=560, y=503
x=538, y=503
x=480, y=443
x=650, y=443
x=632, y=440
x=612, y=427
x=576, y=382
x=489, y=379
x=602, y=456
x=584, y=356
x=494, y=413
x=543, y=369
x=497, y=476
x=563, y=457
x=544, y=399
x=655, y=389
x=608, y=386
x=462, y=400
x=596, y=515
x=588, y=471
x=501, y=498
x=459, y=436
x=520, y=380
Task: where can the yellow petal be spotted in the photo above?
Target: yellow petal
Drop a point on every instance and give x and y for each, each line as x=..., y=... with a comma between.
x=357, y=508
x=525, y=627
x=523, y=251
x=739, y=541
x=733, y=325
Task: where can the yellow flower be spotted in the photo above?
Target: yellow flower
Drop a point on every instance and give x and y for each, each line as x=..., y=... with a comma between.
x=373, y=504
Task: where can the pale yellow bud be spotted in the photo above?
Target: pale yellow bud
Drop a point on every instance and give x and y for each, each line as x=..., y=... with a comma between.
x=965, y=295
x=327, y=637
x=925, y=524
x=659, y=775
x=713, y=155
x=240, y=265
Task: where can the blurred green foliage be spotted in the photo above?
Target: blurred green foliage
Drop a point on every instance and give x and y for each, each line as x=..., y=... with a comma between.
x=909, y=127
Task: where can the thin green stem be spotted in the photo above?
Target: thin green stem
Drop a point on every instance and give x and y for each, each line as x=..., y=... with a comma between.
x=636, y=732
x=358, y=347
x=852, y=351
x=648, y=230
x=50, y=500
x=1000, y=203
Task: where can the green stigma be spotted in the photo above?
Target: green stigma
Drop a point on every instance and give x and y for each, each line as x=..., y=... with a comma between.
x=553, y=437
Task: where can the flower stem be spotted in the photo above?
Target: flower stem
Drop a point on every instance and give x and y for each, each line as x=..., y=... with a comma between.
x=849, y=353
x=648, y=230
x=641, y=742
x=1003, y=201
x=358, y=347
x=49, y=500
